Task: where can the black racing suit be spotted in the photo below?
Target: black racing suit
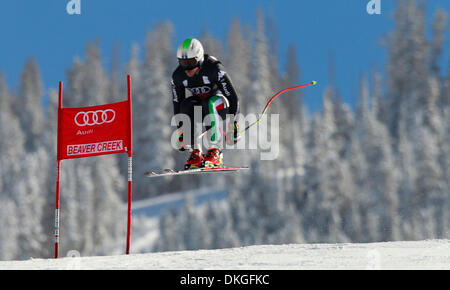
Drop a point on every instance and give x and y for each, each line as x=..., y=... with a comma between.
x=211, y=89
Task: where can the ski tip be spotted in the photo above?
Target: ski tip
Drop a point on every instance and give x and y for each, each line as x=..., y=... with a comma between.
x=314, y=82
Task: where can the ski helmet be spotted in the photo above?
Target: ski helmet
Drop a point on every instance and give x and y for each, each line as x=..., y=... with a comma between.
x=190, y=54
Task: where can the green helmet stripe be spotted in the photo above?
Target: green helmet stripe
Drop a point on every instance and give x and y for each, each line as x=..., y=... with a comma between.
x=186, y=43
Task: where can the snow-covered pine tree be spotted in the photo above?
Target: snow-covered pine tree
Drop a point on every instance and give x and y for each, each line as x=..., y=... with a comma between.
x=429, y=187
x=258, y=199
x=169, y=237
x=26, y=193
x=444, y=160
x=30, y=204
x=115, y=91
x=292, y=112
x=239, y=215
x=271, y=32
x=293, y=128
x=436, y=44
x=152, y=102
x=133, y=65
x=406, y=66
x=109, y=185
x=237, y=60
x=309, y=200
x=331, y=196
x=9, y=231
x=220, y=228
x=9, y=249
x=28, y=104
x=345, y=124
x=378, y=102
x=360, y=201
x=211, y=45
x=383, y=181
x=260, y=89
x=12, y=148
x=73, y=96
x=237, y=65
x=406, y=161
x=192, y=226
x=12, y=141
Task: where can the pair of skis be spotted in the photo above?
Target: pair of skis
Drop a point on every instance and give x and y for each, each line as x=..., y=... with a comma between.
x=170, y=172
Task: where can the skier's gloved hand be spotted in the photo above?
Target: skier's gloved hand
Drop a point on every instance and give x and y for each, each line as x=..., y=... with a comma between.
x=236, y=134
x=181, y=145
x=234, y=130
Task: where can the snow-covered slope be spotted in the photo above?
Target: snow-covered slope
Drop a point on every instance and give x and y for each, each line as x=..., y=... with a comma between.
x=432, y=254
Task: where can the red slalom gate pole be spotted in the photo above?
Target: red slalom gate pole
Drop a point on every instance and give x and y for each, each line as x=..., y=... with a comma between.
x=58, y=173
x=57, y=211
x=130, y=165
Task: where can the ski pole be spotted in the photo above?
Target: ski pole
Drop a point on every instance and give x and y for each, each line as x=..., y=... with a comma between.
x=266, y=107
x=271, y=100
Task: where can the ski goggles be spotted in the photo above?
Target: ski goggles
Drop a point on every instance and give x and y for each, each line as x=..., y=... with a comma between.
x=188, y=63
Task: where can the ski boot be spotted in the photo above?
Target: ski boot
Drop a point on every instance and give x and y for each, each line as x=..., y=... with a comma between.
x=195, y=160
x=213, y=158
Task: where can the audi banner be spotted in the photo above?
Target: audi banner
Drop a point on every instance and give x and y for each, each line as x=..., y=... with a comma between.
x=92, y=131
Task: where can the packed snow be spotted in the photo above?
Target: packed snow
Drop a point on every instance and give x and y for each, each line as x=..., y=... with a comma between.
x=430, y=254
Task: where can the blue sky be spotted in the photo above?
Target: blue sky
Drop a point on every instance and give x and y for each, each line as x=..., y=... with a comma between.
x=318, y=29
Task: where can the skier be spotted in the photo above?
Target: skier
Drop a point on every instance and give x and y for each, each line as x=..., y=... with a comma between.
x=204, y=76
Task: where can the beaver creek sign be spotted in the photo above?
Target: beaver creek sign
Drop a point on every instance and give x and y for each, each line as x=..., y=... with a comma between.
x=92, y=131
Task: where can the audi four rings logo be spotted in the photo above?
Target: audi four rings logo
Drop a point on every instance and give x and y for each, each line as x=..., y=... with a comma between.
x=92, y=118
x=200, y=90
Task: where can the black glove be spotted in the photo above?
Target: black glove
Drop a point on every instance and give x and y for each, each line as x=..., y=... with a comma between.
x=182, y=146
x=236, y=134
x=235, y=131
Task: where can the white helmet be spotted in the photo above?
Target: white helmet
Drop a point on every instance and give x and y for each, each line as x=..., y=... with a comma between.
x=190, y=54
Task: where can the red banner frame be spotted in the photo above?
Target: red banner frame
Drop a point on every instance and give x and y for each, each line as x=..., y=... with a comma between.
x=92, y=131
